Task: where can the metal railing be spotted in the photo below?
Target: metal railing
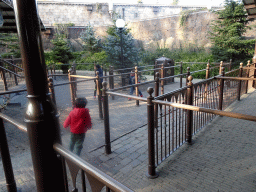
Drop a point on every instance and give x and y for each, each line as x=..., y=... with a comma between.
x=11, y=73
x=173, y=118
x=96, y=178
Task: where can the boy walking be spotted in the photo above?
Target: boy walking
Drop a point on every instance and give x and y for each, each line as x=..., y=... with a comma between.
x=79, y=120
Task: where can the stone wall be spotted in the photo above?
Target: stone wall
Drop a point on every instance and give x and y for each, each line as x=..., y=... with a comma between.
x=80, y=14
x=167, y=32
x=150, y=32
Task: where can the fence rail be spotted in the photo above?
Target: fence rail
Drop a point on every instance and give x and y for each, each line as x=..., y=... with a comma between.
x=96, y=178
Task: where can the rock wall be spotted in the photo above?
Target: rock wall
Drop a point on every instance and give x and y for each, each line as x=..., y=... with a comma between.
x=79, y=14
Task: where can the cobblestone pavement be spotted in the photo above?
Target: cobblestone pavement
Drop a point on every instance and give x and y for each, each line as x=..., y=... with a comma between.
x=221, y=158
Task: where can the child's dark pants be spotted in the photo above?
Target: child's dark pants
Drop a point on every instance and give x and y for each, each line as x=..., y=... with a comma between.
x=76, y=142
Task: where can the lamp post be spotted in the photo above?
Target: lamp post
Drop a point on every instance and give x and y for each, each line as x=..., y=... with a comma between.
x=120, y=23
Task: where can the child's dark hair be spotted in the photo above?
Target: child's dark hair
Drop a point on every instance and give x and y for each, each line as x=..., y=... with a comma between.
x=97, y=66
x=80, y=102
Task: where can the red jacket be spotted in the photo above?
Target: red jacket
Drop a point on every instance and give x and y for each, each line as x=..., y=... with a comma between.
x=79, y=120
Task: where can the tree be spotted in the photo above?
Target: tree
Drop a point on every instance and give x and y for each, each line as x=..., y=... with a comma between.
x=175, y=2
x=113, y=48
x=61, y=52
x=92, y=43
x=9, y=43
x=227, y=33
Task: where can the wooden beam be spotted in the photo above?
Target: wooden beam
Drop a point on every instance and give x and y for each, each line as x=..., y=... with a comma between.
x=250, y=6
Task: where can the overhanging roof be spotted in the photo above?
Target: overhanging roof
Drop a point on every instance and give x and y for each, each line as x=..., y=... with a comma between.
x=9, y=25
x=250, y=6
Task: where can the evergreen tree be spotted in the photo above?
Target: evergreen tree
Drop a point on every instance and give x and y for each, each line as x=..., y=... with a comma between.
x=92, y=43
x=9, y=44
x=227, y=34
x=113, y=48
x=61, y=52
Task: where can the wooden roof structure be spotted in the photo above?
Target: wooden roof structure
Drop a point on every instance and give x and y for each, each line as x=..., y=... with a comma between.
x=250, y=6
x=9, y=22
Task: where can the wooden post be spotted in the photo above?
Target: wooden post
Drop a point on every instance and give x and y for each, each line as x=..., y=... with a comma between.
x=220, y=69
x=230, y=65
x=207, y=72
x=247, y=75
x=51, y=90
x=106, y=119
x=189, y=112
x=136, y=87
x=240, y=82
x=72, y=94
x=99, y=92
x=188, y=74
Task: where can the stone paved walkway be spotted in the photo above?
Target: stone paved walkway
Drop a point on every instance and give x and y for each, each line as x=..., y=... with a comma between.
x=222, y=157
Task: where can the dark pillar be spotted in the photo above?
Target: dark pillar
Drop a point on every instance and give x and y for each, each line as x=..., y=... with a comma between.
x=41, y=115
x=221, y=89
x=240, y=82
x=106, y=119
x=6, y=159
x=189, y=112
x=151, y=136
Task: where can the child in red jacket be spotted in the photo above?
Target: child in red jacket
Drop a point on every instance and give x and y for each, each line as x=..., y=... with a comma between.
x=79, y=120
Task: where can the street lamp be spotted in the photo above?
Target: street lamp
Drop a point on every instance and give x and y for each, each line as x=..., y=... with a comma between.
x=120, y=23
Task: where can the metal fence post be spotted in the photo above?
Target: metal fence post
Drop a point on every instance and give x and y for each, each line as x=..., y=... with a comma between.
x=181, y=72
x=14, y=70
x=136, y=87
x=221, y=89
x=72, y=94
x=162, y=81
x=106, y=119
x=189, y=112
x=41, y=115
x=155, y=67
x=240, y=82
x=156, y=94
x=6, y=159
x=151, y=136
x=51, y=89
x=99, y=93
x=4, y=77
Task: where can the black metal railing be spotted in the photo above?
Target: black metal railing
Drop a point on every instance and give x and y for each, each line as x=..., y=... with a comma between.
x=11, y=72
x=96, y=178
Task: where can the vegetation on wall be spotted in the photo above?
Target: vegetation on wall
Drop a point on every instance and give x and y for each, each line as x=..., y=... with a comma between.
x=227, y=34
x=185, y=14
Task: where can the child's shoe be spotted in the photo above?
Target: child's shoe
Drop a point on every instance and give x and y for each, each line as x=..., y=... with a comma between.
x=141, y=96
x=94, y=97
